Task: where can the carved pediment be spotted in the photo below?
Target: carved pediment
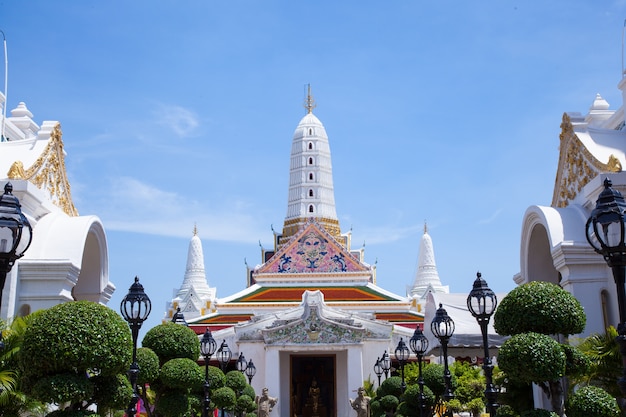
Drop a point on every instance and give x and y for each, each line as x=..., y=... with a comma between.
x=577, y=166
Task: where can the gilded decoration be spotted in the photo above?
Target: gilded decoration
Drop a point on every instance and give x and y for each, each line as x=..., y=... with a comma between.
x=577, y=166
x=314, y=329
x=48, y=173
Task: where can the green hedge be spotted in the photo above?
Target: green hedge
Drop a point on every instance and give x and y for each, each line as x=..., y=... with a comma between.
x=170, y=340
x=592, y=401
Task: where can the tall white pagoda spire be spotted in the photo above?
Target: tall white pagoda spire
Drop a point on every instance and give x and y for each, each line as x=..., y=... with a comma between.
x=194, y=296
x=311, y=192
x=426, y=277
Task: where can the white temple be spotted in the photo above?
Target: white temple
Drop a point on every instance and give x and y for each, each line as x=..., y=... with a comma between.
x=68, y=256
x=312, y=310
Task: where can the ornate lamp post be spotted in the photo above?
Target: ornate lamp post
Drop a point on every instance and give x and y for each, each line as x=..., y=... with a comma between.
x=419, y=346
x=224, y=355
x=207, y=348
x=385, y=363
x=135, y=308
x=16, y=234
x=378, y=369
x=250, y=371
x=241, y=363
x=442, y=327
x=482, y=303
x=402, y=354
x=605, y=231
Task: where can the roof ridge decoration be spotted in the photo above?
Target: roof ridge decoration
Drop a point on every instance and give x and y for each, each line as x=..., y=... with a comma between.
x=577, y=166
x=315, y=327
x=312, y=250
x=48, y=173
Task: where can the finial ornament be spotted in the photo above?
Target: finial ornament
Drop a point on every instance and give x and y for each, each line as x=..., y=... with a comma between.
x=309, y=104
x=195, y=229
x=425, y=227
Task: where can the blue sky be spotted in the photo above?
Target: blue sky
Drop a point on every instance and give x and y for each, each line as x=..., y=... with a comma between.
x=175, y=114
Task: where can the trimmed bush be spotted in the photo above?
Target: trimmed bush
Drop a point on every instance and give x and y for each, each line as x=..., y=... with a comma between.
x=236, y=381
x=62, y=388
x=577, y=363
x=411, y=399
x=182, y=374
x=389, y=403
x=113, y=392
x=76, y=337
x=390, y=386
x=224, y=398
x=148, y=363
x=72, y=413
x=540, y=307
x=433, y=377
x=217, y=379
x=173, y=403
x=532, y=357
x=170, y=341
x=592, y=401
x=506, y=411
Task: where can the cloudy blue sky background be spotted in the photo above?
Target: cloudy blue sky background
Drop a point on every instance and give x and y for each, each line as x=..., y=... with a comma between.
x=182, y=113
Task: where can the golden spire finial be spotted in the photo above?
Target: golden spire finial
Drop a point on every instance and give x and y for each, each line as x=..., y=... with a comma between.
x=309, y=103
x=195, y=229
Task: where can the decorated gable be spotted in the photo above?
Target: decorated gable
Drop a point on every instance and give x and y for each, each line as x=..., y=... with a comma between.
x=313, y=250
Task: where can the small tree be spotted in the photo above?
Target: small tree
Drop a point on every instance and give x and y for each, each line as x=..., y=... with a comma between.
x=539, y=309
x=592, y=401
x=73, y=351
x=177, y=348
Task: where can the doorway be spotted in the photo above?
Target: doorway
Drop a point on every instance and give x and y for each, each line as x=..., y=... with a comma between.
x=313, y=386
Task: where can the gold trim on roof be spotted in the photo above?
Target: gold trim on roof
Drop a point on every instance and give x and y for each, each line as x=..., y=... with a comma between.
x=577, y=166
x=48, y=173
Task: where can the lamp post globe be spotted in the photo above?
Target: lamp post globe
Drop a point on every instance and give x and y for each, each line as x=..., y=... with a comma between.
x=442, y=327
x=402, y=355
x=605, y=232
x=419, y=346
x=482, y=303
x=16, y=235
x=207, y=348
x=250, y=371
x=378, y=369
x=224, y=354
x=385, y=363
x=241, y=363
x=135, y=308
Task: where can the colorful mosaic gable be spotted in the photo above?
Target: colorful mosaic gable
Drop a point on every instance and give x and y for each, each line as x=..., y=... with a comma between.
x=313, y=251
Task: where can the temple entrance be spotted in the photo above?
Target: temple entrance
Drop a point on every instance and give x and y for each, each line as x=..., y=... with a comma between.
x=313, y=386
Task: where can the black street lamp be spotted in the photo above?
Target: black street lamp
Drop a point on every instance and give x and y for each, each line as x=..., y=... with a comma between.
x=402, y=354
x=419, y=346
x=378, y=369
x=135, y=308
x=250, y=371
x=224, y=355
x=605, y=231
x=442, y=327
x=179, y=318
x=241, y=363
x=385, y=363
x=16, y=234
x=207, y=348
x=482, y=303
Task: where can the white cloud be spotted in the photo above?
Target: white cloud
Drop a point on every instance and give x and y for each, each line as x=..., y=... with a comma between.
x=183, y=122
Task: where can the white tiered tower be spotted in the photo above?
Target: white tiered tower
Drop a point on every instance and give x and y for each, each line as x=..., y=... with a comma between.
x=311, y=193
x=426, y=278
x=194, y=298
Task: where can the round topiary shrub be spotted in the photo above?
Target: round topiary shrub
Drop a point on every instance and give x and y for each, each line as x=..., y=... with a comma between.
x=63, y=388
x=244, y=403
x=577, y=363
x=76, y=337
x=592, y=401
x=72, y=413
x=249, y=391
x=236, y=381
x=389, y=403
x=390, y=386
x=506, y=411
x=538, y=412
x=433, y=378
x=172, y=403
x=112, y=392
x=217, y=379
x=539, y=307
x=170, y=340
x=224, y=398
x=411, y=399
x=182, y=373
x=532, y=357
x=148, y=363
